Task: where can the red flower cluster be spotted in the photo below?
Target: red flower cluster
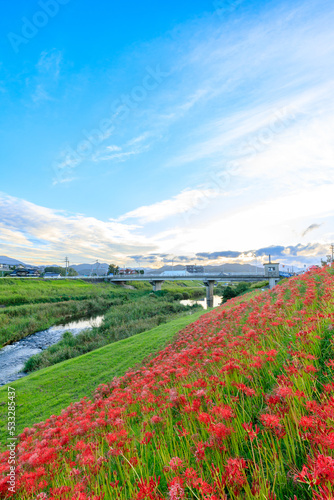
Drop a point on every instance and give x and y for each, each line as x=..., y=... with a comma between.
x=232, y=408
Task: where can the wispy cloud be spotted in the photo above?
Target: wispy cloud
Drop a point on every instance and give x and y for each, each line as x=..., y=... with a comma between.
x=35, y=230
x=40, y=94
x=49, y=63
x=45, y=81
x=310, y=228
x=179, y=204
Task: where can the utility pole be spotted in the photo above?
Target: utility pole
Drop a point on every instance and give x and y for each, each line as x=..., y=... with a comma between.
x=97, y=267
x=67, y=263
x=332, y=248
x=255, y=255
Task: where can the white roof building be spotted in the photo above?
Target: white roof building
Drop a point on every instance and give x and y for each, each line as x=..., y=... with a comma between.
x=174, y=273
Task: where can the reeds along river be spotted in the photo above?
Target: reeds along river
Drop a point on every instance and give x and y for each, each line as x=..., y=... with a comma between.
x=14, y=356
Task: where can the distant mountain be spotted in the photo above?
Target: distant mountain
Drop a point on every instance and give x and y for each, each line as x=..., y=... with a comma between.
x=224, y=268
x=11, y=262
x=102, y=268
x=87, y=269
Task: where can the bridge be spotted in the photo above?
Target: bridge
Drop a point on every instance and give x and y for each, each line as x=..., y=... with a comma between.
x=271, y=273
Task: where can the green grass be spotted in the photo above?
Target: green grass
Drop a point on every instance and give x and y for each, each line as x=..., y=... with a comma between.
x=33, y=291
x=23, y=291
x=16, y=322
x=34, y=305
x=29, y=306
x=51, y=389
x=121, y=321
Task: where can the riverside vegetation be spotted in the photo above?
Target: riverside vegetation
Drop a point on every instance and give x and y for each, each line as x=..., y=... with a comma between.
x=28, y=306
x=49, y=390
x=127, y=317
x=239, y=406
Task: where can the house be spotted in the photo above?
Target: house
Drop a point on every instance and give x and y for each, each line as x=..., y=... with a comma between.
x=25, y=273
x=127, y=271
x=52, y=275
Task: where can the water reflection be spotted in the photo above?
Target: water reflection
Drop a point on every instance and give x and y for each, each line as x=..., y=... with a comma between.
x=203, y=302
x=14, y=356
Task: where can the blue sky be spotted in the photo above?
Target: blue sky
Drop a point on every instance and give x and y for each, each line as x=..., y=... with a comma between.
x=136, y=133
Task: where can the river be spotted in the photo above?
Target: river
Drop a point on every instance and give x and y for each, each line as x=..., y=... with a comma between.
x=14, y=356
x=203, y=302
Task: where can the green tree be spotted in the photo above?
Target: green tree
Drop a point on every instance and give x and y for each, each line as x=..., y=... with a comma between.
x=241, y=288
x=113, y=269
x=229, y=293
x=72, y=272
x=55, y=269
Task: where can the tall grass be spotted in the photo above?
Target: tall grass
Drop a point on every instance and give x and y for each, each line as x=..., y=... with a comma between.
x=120, y=322
x=20, y=321
x=239, y=406
x=23, y=291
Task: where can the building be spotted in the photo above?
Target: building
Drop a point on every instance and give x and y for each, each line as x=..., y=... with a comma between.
x=128, y=271
x=195, y=269
x=52, y=275
x=25, y=273
x=174, y=273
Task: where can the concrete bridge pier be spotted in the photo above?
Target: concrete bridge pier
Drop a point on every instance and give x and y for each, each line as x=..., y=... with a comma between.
x=272, y=282
x=156, y=285
x=209, y=292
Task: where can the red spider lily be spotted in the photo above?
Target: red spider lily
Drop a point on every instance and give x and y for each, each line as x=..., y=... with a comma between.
x=196, y=394
x=175, y=489
x=147, y=437
x=148, y=489
x=323, y=494
x=175, y=463
x=307, y=423
x=223, y=411
x=251, y=433
x=234, y=476
x=270, y=421
x=318, y=471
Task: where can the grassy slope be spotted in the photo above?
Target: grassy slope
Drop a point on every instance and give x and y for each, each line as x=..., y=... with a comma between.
x=14, y=292
x=34, y=305
x=20, y=291
x=48, y=391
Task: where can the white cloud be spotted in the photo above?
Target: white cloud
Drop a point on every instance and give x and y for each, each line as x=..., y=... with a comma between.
x=179, y=204
x=52, y=234
x=40, y=94
x=50, y=62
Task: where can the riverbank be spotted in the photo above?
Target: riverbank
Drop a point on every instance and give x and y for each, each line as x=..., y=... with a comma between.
x=17, y=322
x=29, y=306
x=14, y=356
x=48, y=391
x=133, y=316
